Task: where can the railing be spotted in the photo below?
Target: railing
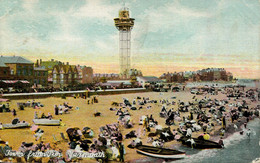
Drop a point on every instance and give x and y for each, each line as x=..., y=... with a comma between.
x=69, y=92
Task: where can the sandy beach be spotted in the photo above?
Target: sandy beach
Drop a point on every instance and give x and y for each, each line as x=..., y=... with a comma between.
x=84, y=118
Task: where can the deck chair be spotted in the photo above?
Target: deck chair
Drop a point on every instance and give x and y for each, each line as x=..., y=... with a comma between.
x=56, y=141
x=63, y=137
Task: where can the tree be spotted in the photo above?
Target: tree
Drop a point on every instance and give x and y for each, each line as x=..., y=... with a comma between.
x=103, y=79
x=133, y=80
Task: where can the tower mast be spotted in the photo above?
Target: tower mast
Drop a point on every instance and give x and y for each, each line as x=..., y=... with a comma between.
x=124, y=24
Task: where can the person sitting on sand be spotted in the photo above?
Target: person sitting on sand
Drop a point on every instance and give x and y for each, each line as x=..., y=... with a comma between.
x=6, y=147
x=192, y=142
x=189, y=132
x=38, y=134
x=36, y=115
x=43, y=115
x=73, y=144
x=60, y=111
x=163, y=109
x=49, y=116
x=157, y=143
x=119, y=112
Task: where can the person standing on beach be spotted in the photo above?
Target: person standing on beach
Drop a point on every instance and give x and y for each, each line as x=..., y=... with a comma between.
x=191, y=115
x=56, y=109
x=220, y=142
x=248, y=133
x=224, y=122
x=121, y=152
x=245, y=124
x=14, y=112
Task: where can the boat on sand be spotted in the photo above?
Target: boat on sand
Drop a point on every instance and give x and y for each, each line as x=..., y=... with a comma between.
x=199, y=143
x=157, y=152
x=17, y=125
x=47, y=122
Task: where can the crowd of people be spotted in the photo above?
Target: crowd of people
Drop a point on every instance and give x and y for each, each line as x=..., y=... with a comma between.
x=201, y=115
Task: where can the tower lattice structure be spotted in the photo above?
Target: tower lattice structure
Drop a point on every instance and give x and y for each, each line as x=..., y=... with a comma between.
x=124, y=24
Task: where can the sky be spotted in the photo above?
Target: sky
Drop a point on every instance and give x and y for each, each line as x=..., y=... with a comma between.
x=168, y=35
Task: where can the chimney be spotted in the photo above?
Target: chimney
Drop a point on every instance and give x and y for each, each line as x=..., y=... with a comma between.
x=40, y=61
x=67, y=63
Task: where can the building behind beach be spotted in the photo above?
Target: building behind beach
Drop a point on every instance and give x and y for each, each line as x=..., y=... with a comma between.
x=97, y=77
x=147, y=80
x=40, y=77
x=64, y=75
x=209, y=74
x=48, y=65
x=16, y=68
x=85, y=74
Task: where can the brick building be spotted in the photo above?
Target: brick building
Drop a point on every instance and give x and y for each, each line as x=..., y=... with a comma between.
x=85, y=74
x=209, y=74
x=64, y=75
x=16, y=68
x=40, y=76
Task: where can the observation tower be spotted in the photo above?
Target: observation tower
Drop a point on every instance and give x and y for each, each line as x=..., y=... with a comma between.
x=124, y=24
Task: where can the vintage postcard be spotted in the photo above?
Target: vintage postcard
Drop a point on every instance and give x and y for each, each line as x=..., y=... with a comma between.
x=130, y=81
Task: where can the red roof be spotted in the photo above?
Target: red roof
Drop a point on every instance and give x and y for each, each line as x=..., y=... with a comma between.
x=10, y=81
x=15, y=81
x=24, y=81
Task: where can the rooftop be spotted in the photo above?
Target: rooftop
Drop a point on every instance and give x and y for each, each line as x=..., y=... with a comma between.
x=2, y=64
x=150, y=78
x=14, y=59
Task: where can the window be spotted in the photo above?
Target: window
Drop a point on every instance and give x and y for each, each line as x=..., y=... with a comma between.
x=25, y=72
x=18, y=72
x=5, y=72
x=30, y=72
x=12, y=71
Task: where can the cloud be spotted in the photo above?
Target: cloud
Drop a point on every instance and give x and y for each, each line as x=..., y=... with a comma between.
x=29, y=5
x=177, y=8
x=97, y=9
